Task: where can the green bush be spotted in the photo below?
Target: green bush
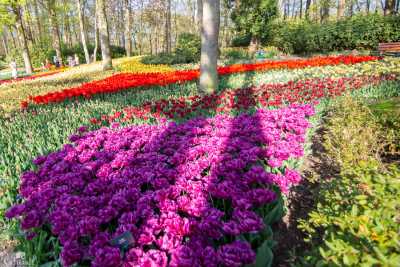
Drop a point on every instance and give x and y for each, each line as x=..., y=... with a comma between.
x=241, y=39
x=235, y=53
x=357, y=32
x=188, y=48
x=356, y=219
x=162, y=58
x=187, y=51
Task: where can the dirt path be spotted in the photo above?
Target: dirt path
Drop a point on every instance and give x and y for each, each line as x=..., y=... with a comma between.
x=300, y=202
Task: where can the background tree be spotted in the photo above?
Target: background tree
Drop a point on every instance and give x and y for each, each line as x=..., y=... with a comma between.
x=82, y=29
x=50, y=6
x=11, y=13
x=128, y=27
x=104, y=35
x=251, y=17
x=168, y=26
x=209, y=46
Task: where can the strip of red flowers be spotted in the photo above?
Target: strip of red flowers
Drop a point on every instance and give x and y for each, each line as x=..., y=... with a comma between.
x=123, y=81
x=267, y=95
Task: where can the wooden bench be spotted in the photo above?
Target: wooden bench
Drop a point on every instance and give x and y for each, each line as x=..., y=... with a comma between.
x=389, y=49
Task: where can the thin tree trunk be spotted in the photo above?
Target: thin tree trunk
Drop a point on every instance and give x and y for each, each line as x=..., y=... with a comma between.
x=104, y=35
x=199, y=14
x=28, y=24
x=389, y=7
x=5, y=44
x=128, y=32
x=67, y=25
x=192, y=11
x=367, y=6
x=14, y=42
x=308, y=4
x=340, y=9
x=209, y=46
x=83, y=30
x=293, y=9
x=324, y=10
x=54, y=28
x=301, y=8
x=96, y=37
x=175, y=26
x=167, y=41
x=350, y=5
x=37, y=20
x=22, y=39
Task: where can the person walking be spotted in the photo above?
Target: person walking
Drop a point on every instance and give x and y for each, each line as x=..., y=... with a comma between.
x=14, y=70
x=76, y=59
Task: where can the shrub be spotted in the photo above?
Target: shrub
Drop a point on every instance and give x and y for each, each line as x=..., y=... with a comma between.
x=357, y=212
x=162, y=58
x=357, y=32
x=187, y=51
x=241, y=39
x=188, y=48
x=235, y=53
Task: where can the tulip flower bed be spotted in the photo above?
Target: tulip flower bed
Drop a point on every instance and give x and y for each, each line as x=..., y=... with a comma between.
x=134, y=65
x=124, y=81
x=267, y=95
x=199, y=193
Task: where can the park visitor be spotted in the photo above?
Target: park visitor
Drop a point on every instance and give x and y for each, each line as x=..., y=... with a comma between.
x=14, y=70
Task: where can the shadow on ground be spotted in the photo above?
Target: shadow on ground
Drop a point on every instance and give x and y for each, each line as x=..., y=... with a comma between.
x=301, y=202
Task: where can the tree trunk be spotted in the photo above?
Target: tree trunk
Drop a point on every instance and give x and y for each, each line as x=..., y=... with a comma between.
x=67, y=33
x=96, y=37
x=301, y=8
x=199, y=14
x=128, y=32
x=293, y=9
x=308, y=4
x=5, y=44
x=28, y=24
x=340, y=9
x=54, y=28
x=367, y=6
x=37, y=20
x=324, y=10
x=389, y=7
x=83, y=31
x=22, y=39
x=11, y=31
x=167, y=42
x=104, y=36
x=350, y=6
x=209, y=46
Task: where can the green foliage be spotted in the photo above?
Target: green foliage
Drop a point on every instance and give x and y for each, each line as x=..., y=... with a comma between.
x=241, y=39
x=356, y=220
x=188, y=47
x=235, y=53
x=352, y=135
x=357, y=32
x=251, y=16
x=187, y=51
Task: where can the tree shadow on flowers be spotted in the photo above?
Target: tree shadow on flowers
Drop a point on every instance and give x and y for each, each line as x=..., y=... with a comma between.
x=204, y=191
x=198, y=193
